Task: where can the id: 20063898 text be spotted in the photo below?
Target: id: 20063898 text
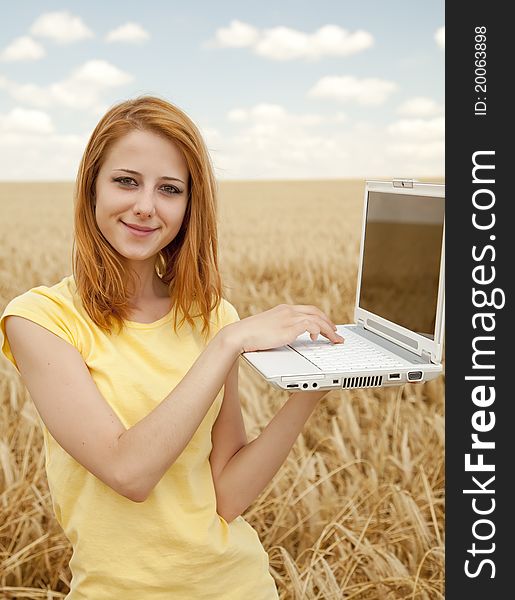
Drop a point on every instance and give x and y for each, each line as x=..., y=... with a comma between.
x=480, y=71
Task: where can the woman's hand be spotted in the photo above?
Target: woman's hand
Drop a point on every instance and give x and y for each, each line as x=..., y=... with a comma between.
x=282, y=325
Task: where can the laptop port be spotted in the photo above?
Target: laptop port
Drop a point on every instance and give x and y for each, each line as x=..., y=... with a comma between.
x=414, y=375
x=305, y=385
x=292, y=385
x=336, y=381
x=394, y=376
x=315, y=385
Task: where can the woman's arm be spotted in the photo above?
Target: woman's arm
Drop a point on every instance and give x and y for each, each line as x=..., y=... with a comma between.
x=151, y=446
x=250, y=470
x=130, y=461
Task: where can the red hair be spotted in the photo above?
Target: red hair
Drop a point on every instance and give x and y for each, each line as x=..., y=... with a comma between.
x=189, y=263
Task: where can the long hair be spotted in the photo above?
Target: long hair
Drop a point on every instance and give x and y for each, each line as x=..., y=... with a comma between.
x=189, y=263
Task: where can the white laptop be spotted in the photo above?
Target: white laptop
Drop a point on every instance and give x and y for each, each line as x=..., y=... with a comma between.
x=397, y=334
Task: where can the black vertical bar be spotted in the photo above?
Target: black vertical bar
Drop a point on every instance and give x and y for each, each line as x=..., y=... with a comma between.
x=480, y=260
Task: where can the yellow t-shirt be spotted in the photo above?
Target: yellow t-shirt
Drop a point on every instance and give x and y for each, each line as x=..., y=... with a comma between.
x=173, y=546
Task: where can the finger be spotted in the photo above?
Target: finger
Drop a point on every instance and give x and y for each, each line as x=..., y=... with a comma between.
x=328, y=332
x=309, y=309
x=316, y=326
x=334, y=337
x=308, y=324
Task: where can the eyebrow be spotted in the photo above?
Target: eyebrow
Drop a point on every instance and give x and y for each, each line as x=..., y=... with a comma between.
x=163, y=177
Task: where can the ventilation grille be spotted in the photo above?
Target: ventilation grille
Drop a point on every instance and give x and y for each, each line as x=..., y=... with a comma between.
x=358, y=382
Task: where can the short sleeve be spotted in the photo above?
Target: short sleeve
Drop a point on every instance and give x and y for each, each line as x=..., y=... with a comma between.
x=228, y=314
x=41, y=308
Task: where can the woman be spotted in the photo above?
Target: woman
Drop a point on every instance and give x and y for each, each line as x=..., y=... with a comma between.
x=147, y=459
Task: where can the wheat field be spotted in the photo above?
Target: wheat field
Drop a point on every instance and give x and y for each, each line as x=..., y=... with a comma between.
x=357, y=510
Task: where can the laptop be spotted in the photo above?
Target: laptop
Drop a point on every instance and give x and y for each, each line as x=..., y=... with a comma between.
x=397, y=334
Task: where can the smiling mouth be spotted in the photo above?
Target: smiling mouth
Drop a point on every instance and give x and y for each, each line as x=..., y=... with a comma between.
x=138, y=231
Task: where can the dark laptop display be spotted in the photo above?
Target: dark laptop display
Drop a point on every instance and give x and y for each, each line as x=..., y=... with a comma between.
x=401, y=259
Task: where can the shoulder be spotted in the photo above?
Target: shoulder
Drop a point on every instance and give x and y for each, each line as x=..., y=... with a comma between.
x=43, y=299
x=226, y=313
x=52, y=307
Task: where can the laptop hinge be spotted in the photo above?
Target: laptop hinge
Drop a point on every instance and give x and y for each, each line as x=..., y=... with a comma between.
x=426, y=356
x=403, y=183
x=361, y=323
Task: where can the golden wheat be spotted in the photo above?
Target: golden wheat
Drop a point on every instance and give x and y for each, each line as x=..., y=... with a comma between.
x=357, y=509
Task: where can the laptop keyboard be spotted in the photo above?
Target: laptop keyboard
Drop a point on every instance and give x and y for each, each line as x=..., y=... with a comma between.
x=355, y=354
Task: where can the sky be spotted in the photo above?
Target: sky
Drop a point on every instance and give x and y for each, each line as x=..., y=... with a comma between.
x=279, y=90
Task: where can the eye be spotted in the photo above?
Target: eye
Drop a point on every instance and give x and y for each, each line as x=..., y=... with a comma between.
x=123, y=180
x=171, y=189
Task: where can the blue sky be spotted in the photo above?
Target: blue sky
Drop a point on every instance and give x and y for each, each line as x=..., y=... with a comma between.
x=280, y=90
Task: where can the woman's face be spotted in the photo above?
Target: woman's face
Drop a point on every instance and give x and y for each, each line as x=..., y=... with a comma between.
x=143, y=181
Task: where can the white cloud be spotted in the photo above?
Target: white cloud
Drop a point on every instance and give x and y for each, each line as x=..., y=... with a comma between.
x=418, y=129
x=131, y=33
x=368, y=92
x=364, y=151
x=264, y=152
x=22, y=48
x=440, y=37
x=420, y=106
x=28, y=156
x=269, y=142
x=237, y=35
x=418, y=143
x=271, y=116
x=210, y=134
x=237, y=115
x=100, y=73
x=82, y=90
x=61, y=27
x=21, y=120
x=284, y=43
x=417, y=153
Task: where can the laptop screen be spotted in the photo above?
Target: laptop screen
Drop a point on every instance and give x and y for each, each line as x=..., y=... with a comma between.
x=401, y=259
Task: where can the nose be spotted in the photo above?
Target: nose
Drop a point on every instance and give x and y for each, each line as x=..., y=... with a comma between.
x=144, y=204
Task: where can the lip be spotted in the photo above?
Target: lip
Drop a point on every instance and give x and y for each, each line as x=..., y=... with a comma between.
x=139, y=232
